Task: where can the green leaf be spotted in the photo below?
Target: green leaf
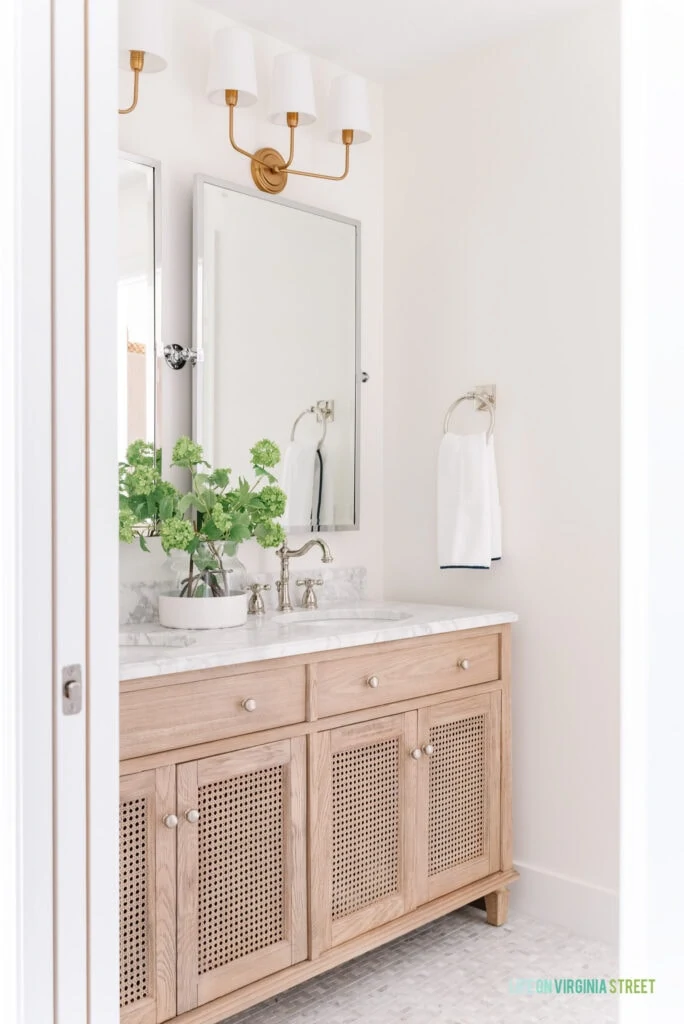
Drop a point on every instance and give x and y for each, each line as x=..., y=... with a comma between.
x=186, y=502
x=260, y=471
x=211, y=530
x=239, y=532
x=219, y=478
x=143, y=542
x=166, y=507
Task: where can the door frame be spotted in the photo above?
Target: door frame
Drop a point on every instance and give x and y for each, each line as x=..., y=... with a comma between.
x=59, y=594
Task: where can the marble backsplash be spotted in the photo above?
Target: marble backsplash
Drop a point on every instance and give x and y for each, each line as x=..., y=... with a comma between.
x=142, y=580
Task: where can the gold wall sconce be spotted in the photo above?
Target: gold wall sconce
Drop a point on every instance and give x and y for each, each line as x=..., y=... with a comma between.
x=142, y=42
x=233, y=83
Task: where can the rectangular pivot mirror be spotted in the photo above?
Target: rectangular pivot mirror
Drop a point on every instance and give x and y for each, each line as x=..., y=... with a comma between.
x=138, y=301
x=277, y=328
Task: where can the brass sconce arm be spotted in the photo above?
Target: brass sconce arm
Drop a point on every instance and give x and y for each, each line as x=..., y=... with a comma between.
x=137, y=64
x=269, y=169
x=327, y=177
x=231, y=126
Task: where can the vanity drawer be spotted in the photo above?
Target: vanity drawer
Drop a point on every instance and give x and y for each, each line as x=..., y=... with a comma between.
x=348, y=684
x=182, y=714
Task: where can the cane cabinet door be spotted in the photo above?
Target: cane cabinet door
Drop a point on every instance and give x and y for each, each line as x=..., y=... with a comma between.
x=459, y=807
x=147, y=888
x=242, y=907
x=362, y=812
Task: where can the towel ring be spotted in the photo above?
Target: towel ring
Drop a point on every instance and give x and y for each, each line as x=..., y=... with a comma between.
x=471, y=396
x=315, y=412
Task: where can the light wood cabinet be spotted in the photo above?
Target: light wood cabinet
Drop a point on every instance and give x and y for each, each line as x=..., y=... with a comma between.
x=241, y=869
x=147, y=897
x=364, y=830
x=459, y=784
x=370, y=795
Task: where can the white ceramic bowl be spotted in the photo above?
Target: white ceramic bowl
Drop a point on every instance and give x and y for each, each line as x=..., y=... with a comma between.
x=202, y=612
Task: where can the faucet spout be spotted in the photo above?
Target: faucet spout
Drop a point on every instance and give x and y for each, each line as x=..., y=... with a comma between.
x=285, y=553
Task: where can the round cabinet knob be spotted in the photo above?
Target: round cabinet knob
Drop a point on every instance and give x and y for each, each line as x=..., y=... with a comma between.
x=192, y=816
x=170, y=820
x=249, y=704
x=463, y=663
x=416, y=754
x=428, y=750
x=373, y=682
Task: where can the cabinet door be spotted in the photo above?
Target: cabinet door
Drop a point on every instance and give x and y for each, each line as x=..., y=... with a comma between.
x=242, y=911
x=147, y=888
x=362, y=792
x=459, y=806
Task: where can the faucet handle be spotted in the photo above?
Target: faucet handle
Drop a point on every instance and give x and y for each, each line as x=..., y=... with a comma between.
x=255, y=605
x=309, y=595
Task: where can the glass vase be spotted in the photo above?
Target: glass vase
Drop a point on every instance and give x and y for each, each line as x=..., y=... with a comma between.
x=213, y=571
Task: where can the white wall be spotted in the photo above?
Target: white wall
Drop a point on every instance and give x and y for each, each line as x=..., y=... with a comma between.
x=502, y=195
x=177, y=125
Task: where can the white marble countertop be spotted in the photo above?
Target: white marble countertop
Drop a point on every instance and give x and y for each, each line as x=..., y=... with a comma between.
x=151, y=650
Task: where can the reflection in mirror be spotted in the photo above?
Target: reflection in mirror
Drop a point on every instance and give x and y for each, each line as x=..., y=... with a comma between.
x=276, y=318
x=138, y=300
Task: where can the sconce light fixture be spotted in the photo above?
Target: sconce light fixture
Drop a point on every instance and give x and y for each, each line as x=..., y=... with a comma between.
x=232, y=82
x=141, y=41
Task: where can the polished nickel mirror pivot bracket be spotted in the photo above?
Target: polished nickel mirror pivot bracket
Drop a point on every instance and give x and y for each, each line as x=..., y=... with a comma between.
x=177, y=356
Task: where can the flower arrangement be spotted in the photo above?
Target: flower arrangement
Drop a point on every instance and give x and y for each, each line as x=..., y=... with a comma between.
x=144, y=498
x=211, y=519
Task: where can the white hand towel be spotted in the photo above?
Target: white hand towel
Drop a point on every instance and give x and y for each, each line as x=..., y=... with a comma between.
x=468, y=512
x=297, y=480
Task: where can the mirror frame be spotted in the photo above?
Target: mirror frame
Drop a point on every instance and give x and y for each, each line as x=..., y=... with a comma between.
x=146, y=161
x=198, y=313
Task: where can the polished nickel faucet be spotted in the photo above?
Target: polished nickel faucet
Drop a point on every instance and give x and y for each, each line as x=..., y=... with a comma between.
x=285, y=554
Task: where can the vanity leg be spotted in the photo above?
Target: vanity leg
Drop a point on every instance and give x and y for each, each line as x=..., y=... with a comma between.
x=496, y=905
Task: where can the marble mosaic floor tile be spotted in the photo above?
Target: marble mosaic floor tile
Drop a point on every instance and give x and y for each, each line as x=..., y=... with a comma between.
x=457, y=970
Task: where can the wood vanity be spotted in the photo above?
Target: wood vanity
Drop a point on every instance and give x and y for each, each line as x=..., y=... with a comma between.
x=283, y=816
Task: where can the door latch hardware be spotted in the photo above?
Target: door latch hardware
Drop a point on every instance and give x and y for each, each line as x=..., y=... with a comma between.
x=72, y=689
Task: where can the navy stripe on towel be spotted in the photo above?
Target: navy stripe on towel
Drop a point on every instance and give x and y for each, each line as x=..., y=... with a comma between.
x=470, y=566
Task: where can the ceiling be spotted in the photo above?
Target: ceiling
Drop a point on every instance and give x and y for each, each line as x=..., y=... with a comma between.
x=385, y=38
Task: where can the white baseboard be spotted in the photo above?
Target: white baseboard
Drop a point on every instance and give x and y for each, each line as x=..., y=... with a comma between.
x=588, y=910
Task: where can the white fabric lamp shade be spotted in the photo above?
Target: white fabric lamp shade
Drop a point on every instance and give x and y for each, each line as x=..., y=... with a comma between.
x=142, y=27
x=349, y=108
x=292, y=89
x=232, y=67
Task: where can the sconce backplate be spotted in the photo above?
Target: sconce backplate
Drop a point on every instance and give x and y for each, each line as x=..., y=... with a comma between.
x=269, y=179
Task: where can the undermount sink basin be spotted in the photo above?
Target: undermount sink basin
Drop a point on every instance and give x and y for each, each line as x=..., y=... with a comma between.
x=327, y=617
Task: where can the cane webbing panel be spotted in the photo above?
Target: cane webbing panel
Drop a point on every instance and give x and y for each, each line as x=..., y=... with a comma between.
x=457, y=818
x=365, y=832
x=133, y=902
x=241, y=864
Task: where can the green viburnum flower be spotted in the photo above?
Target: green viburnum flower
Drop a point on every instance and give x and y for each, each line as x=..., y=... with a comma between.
x=167, y=497
x=187, y=453
x=176, y=534
x=265, y=453
x=142, y=480
x=126, y=524
x=273, y=500
x=270, y=535
x=140, y=453
x=221, y=518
